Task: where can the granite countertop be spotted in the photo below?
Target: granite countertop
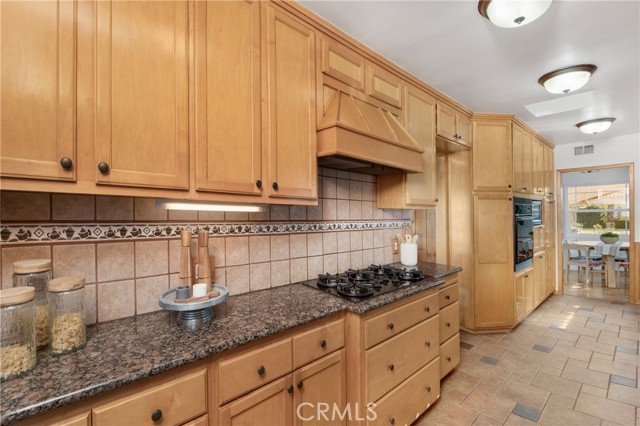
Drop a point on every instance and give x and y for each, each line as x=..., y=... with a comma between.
x=127, y=350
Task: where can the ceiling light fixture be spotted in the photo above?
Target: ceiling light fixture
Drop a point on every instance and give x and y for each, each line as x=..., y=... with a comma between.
x=512, y=13
x=165, y=203
x=567, y=79
x=595, y=126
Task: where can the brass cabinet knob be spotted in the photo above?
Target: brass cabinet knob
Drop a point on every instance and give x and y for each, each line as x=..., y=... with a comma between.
x=448, y=297
x=448, y=324
x=392, y=367
x=390, y=326
x=323, y=343
x=427, y=309
x=103, y=167
x=259, y=184
x=66, y=163
x=290, y=389
x=392, y=421
x=274, y=185
x=449, y=358
x=428, y=388
x=300, y=384
x=156, y=415
x=262, y=370
x=427, y=344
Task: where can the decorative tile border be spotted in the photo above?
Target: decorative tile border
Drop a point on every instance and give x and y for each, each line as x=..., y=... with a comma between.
x=30, y=233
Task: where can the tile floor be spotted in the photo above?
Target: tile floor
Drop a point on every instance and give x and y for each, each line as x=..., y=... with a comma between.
x=597, y=289
x=572, y=362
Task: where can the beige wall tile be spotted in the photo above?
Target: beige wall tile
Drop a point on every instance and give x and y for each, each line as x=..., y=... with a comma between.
x=206, y=216
x=279, y=247
x=260, y=216
x=387, y=213
x=388, y=255
x=315, y=212
x=356, y=176
x=148, y=292
x=174, y=280
x=90, y=304
x=75, y=259
x=238, y=279
x=342, y=189
x=152, y=258
x=398, y=214
x=279, y=213
x=73, y=207
x=378, y=214
x=260, y=276
x=237, y=251
x=367, y=191
x=329, y=187
x=329, y=209
x=315, y=265
x=344, y=261
x=329, y=242
x=389, y=235
x=378, y=256
x=175, y=254
x=298, y=212
x=355, y=190
x=116, y=300
x=217, y=249
x=367, y=239
x=356, y=259
x=145, y=210
x=330, y=262
x=355, y=210
x=280, y=273
x=367, y=257
x=259, y=248
x=342, y=209
x=314, y=244
x=344, y=241
x=356, y=240
x=114, y=208
x=24, y=206
x=183, y=215
x=298, y=245
x=367, y=210
x=236, y=216
x=12, y=254
x=298, y=269
x=115, y=261
x=220, y=276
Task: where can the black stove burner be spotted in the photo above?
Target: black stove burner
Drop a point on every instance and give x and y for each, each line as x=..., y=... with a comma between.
x=359, y=284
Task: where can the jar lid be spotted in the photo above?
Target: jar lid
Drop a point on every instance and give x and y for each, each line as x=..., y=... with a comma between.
x=16, y=295
x=32, y=265
x=72, y=282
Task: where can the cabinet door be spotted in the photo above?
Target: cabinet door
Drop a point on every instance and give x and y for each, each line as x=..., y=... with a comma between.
x=520, y=306
x=538, y=166
x=383, y=85
x=540, y=274
x=548, y=172
x=463, y=129
x=271, y=403
x=142, y=95
x=290, y=68
x=419, y=118
x=37, y=100
x=322, y=382
x=493, y=231
x=228, y=105
x=446, y=122
x=522, y=161
x=492, y=160
x=342, y=63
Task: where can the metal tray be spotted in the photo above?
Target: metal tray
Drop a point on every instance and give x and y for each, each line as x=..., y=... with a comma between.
x=195, y=313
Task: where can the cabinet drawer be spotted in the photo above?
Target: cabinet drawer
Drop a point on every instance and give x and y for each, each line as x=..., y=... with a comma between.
x=449, y=355
x=449, y=321
x=448, y=295
x=383, y=85
x=395, y=321
x=200, y=421
x=179, y=400
x=252, y=369
x=318, y=342
x=342, y=63
x=411, y=398
x=391, y=362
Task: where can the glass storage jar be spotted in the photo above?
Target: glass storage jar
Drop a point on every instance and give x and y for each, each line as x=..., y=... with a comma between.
x=36, y=273
x=17, y=334
x=67, y=318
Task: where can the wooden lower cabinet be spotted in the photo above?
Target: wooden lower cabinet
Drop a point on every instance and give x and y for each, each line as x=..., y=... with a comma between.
x=272, y=404
x=449, y=355
x=200, y=421
x=523, y=293
x=540, y=277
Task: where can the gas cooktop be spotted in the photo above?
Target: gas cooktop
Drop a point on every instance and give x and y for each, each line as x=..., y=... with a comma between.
x=360, y=284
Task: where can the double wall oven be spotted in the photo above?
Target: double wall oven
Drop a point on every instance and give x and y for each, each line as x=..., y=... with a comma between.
x=525, y=217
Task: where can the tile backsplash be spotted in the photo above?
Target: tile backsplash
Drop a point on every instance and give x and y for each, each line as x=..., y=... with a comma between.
x=129, y=251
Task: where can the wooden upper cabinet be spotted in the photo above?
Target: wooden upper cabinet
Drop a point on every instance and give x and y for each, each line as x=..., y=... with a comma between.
x=522, y=161
x=492, y=159
x=537, y=148
x=142, y=94
x=228, y=97
x=37, y=100
x=383, y=85
x=549, y=172
x=452, y=125
x=414, y=190
x=342, y=63
x=291, y=115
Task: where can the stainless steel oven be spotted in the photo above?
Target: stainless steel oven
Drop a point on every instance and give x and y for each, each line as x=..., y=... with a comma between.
x=522, y=232
x=536, y=212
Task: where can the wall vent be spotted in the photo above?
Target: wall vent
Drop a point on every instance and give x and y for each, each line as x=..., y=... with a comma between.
x=583, y=150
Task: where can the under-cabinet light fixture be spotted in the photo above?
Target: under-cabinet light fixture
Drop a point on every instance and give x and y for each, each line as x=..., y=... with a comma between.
x=166, y=203
x=512, y=13
x=595, y=126
x=567, y=79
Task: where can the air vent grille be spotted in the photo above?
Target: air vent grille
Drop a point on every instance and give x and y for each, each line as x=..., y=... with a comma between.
x=583, y=150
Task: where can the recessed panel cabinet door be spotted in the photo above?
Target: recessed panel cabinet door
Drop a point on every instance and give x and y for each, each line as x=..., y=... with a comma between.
x=291, y=123
x=270, y=404
x=492, y=155
x=142, y=94
x=37, y=96
x=228, y=139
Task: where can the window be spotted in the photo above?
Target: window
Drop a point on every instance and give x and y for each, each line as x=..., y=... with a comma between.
x=597, y=209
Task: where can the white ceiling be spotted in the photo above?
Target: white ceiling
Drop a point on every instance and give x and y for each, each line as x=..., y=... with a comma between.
x=451, y=47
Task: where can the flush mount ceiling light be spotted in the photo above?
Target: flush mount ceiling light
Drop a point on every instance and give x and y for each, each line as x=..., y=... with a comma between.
x=512, y=13
x=165, y=203
x=567, y=79
x=595, y=126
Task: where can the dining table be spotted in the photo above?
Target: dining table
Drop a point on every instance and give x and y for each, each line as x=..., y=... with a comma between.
x=609, y=253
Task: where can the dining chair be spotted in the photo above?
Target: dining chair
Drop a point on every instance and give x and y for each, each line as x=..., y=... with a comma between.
x=580, y=261
x=622, y=262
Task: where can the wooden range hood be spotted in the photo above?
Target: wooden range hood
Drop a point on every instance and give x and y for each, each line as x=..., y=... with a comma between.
x=363, y=138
